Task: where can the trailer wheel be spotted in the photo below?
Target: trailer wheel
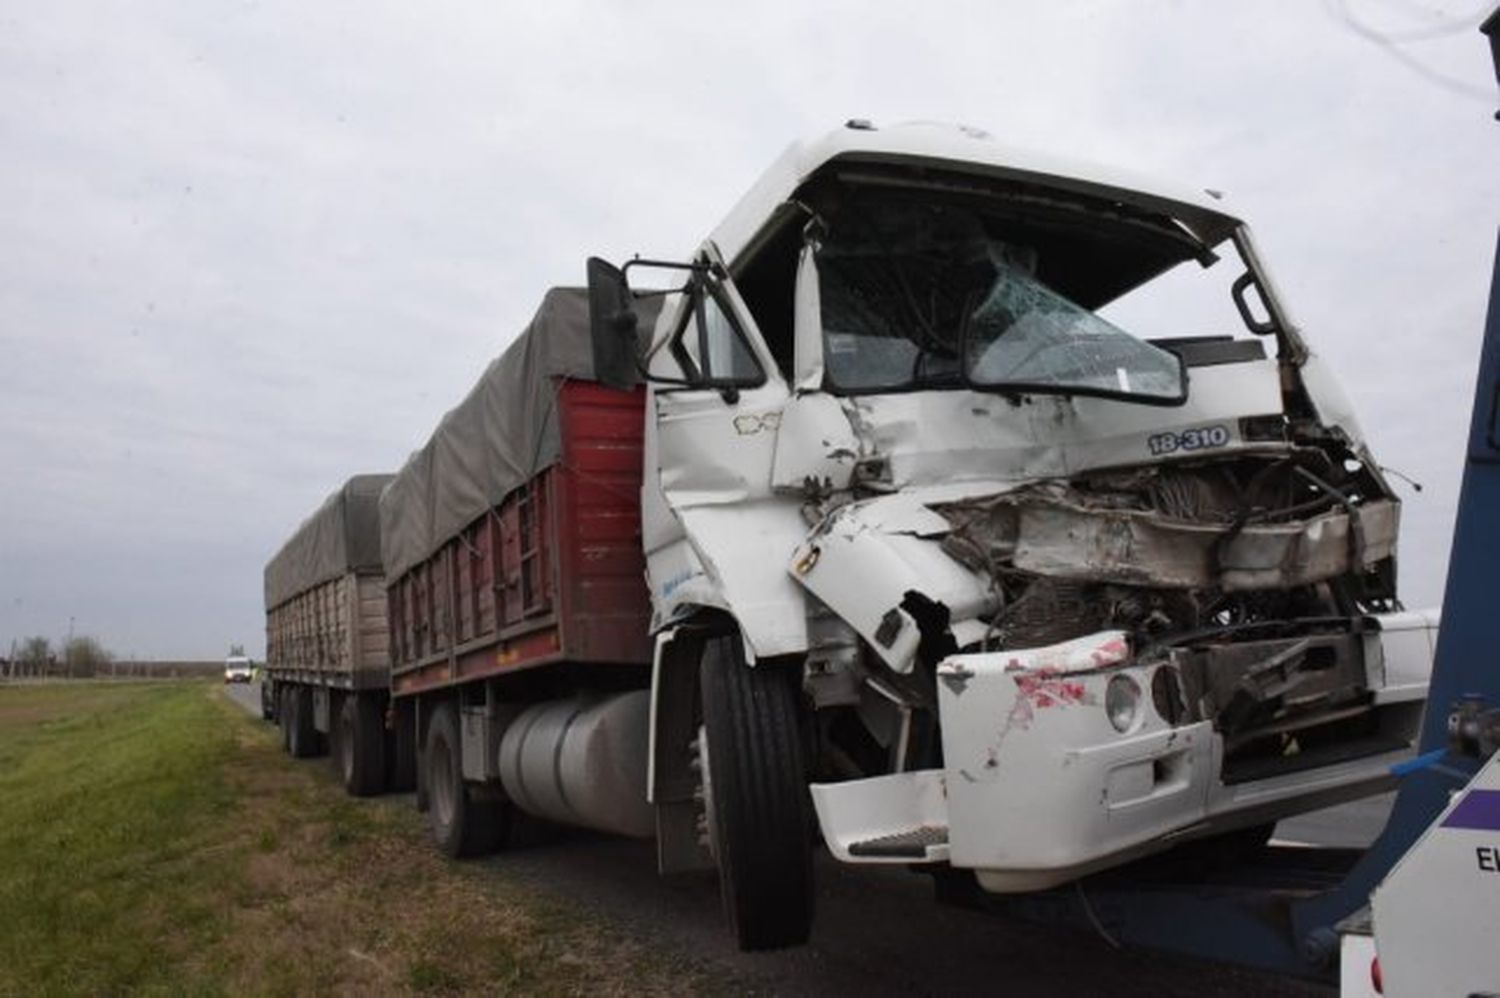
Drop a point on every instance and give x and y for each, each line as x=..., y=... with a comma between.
x=424, y=798
x=463, y=821
x=267, y=701
x=359, y=741
x=401, y=750
x=336, y=740
x=284, y=717
x=756, y=798
x=302, y=736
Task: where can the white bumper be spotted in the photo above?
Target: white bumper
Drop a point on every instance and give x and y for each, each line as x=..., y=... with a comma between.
x=1039, y=787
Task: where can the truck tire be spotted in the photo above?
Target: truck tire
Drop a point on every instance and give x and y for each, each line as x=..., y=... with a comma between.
x=267, y=701
x=401, y=751
x=284, y=717
x=423, y=798
x=758, y=811
x=420, y=727
x=464, y=822
x=336, y=734
x=359, y=745
x=302, y=736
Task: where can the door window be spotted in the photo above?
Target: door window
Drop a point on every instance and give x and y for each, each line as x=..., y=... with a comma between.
x=710, y=346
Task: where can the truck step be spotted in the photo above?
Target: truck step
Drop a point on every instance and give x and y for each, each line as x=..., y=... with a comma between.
x=911, y=844
x=896, y=819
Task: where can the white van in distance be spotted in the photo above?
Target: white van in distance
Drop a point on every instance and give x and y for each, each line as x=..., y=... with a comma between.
x=237, y=669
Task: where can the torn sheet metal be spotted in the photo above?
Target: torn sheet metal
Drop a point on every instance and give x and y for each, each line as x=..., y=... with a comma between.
x=937, y=437
x=742, y=551
x=816, y=449
x=864, y=558
x=1053, y=537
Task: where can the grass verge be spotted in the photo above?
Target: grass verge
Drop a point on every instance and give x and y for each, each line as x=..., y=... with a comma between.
x=153, y=838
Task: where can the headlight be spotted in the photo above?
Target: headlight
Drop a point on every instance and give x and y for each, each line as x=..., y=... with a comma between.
x=1122, y=701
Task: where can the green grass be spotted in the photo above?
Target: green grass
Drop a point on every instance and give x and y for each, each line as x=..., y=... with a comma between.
x=154, y=839
x=108, y=796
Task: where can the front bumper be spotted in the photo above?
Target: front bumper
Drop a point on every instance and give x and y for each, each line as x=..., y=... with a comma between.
x=1039, y=787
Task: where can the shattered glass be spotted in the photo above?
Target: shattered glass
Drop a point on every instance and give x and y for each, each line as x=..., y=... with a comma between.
x=1023, y=333
x=924, y=296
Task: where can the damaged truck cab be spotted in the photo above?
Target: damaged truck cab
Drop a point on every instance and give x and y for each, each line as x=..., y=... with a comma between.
x=998, y=501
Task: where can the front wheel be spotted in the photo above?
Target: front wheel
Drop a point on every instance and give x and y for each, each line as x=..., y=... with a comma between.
x=755, y=797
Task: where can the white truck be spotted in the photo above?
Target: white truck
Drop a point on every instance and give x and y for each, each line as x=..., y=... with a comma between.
x=238, y=669
x=967, y=520
x=994, y=520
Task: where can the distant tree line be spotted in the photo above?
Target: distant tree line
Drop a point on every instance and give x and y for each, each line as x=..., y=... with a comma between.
x=81, y=657
x=84, y=657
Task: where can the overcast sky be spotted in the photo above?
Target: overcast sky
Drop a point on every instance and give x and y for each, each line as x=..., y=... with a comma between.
x=253, y=248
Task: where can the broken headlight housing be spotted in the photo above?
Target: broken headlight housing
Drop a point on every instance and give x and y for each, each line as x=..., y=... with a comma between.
x=1122, y=702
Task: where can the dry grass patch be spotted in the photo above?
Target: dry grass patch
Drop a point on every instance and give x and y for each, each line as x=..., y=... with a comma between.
x=160, y=840
x=348, y=896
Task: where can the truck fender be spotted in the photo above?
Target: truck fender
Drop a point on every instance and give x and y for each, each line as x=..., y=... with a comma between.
x=670, y=779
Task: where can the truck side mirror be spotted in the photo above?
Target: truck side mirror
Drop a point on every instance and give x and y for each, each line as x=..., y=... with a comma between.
x=612, y=326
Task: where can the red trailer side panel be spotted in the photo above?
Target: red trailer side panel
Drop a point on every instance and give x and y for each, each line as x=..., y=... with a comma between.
x=554, y=573
x=603, y=598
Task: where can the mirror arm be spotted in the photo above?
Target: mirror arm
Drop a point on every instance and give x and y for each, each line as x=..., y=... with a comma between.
x=637, y=261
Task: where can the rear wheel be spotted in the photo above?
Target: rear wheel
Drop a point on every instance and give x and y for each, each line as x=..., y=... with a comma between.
x=464, y=820
x=755, y=798
x=302, y=736
x=401, y=750
x=340, y=747
x=360, y=745
x=284, y=717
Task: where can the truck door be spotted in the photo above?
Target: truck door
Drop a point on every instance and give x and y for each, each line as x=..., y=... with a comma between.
x=716, y=429
x=712, y=443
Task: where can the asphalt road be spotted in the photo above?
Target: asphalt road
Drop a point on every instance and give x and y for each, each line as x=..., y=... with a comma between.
x=878, y=930
x=247, y=695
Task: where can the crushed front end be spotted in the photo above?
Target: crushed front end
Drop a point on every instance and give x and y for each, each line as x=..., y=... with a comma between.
x=1111, y=664
x=1064, y=759
x=1076, y=543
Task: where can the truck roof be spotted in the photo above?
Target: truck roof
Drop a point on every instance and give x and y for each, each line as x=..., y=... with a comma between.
x=342, y=536
x=961, y=149
x=501, y=434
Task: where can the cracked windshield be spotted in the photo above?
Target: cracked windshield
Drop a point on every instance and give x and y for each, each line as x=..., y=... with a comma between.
x=932, y=296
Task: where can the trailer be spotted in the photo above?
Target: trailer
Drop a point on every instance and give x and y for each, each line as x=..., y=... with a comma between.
x=921, y=513
x=327, y=674
x=516, y=595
